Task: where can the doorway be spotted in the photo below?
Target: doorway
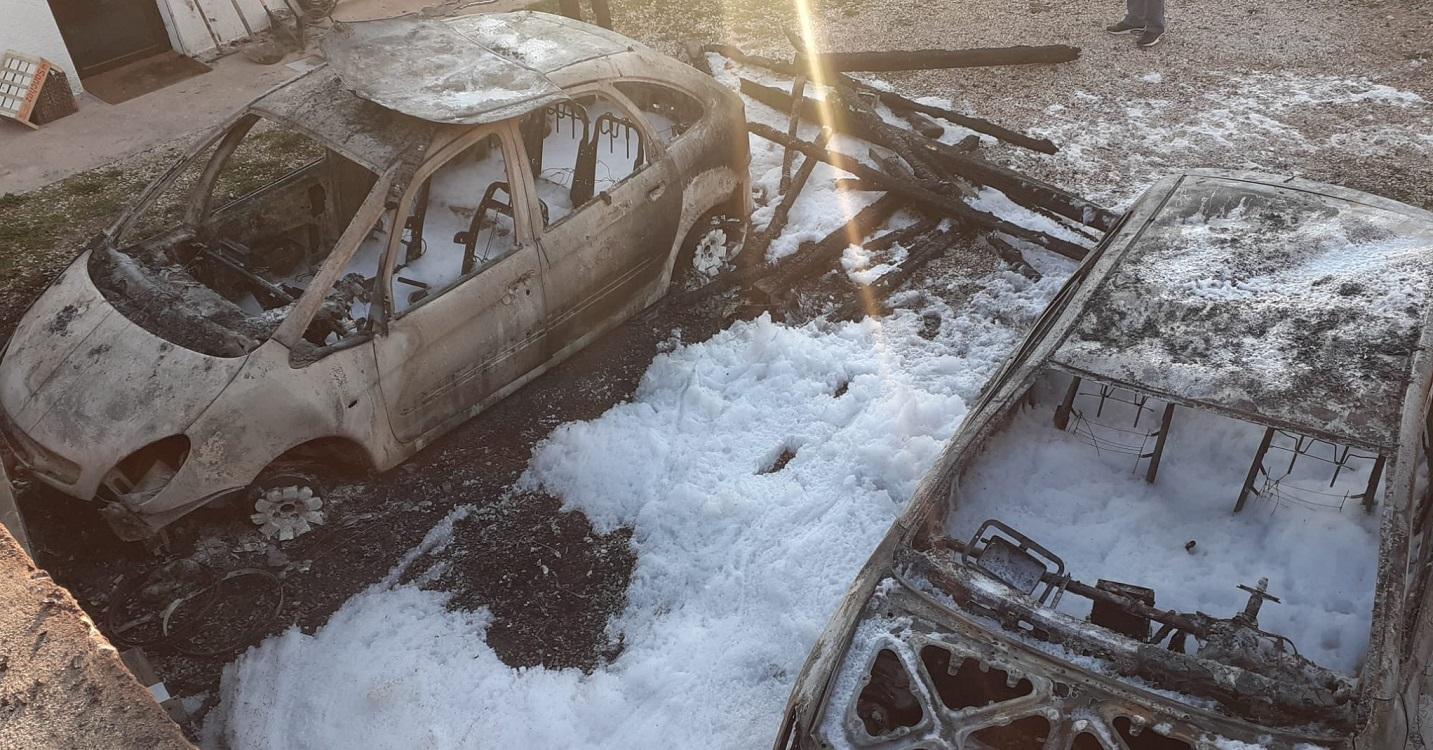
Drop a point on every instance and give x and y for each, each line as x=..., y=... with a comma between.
x=105, y=34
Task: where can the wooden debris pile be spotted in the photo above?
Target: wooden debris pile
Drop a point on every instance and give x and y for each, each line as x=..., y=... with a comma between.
x=913, y=168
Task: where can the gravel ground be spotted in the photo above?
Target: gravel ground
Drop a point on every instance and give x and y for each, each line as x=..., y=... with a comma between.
x=1212, y=94
x=1257, y=84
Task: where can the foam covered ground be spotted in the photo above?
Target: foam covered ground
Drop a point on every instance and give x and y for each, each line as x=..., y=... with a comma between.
x=736, y=571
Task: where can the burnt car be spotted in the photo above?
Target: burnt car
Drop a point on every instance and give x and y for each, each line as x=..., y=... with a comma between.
x=1190, y=511
x=369, y=255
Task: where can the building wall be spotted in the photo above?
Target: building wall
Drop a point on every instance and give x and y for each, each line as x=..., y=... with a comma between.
x=197, y=28
x=202, y=28
x=29, y=28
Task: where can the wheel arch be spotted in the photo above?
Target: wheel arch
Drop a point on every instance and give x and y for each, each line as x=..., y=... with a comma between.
x=717, y=189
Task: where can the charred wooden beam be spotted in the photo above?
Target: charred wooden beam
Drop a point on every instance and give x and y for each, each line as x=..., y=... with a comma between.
x=697, y=57
x=923, y=124
x=921, y=195
x=857, y=185
x=1011, y=255
x=737, y=54
x=763, y=239
x=1024, y=190
x=798, y=96
x=819, y=255
x=909, y=145
x=907, y=107
x=923, y=249
x=896, y=102
x=930, y=59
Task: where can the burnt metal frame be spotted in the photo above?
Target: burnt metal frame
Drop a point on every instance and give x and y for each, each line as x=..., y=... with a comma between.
x=1067, y=406
x=1368, y=497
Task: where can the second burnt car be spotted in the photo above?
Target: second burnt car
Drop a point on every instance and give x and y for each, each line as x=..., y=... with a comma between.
x=367, y=256
x=1191, y=511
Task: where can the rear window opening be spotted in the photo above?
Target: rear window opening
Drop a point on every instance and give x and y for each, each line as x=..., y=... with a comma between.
x=1140, y=495
x=578, y=149
x=215, y=261
x=669, y=112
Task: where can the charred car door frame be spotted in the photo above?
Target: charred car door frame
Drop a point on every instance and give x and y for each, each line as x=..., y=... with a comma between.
x=442, y=358
x=604, y=258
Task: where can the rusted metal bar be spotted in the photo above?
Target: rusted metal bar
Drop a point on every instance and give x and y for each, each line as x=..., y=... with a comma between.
x=1314, y=693
x=941, y=204
x=763, y=240
x=1164, y=424
x=1254, y=469
x=931, y=59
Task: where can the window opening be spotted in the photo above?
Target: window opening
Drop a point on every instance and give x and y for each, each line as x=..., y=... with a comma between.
x=579, y=149
x=460, y=223
x=218, y=271
x=668, y=112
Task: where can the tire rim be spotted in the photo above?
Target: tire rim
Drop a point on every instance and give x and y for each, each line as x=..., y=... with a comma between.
x=713, y=253
x=287, y=511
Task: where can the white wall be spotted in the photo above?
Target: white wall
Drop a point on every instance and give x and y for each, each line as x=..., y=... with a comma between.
x=198, y=28
x=29, y=28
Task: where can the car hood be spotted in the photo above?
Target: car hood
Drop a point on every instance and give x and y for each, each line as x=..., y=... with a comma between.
x=85, y=382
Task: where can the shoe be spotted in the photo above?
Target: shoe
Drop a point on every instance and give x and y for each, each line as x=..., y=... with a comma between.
x=1150, y=38
x=1123, y=28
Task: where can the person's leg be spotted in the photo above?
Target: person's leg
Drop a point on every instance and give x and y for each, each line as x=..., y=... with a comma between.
x=1154, y=16
x=1133, y=21
x=1134, y=13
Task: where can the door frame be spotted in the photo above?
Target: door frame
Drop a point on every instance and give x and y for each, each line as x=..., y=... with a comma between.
x=153, y=17
x=444, y=147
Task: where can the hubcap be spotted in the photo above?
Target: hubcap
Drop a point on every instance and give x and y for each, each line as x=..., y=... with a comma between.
x=713, y=252
x=288, y=511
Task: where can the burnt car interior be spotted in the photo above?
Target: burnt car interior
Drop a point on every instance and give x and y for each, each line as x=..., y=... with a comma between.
x=1256, y=550
x=215, y=261
x=460, y=223
x=577, y=150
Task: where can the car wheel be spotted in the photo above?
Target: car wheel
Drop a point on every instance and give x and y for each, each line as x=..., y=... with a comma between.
x=711, y=249
x=287, y=506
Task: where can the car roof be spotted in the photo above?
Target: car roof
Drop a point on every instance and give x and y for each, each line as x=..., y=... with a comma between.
x=468, y=70
x=367, y=133
x=1288, y=302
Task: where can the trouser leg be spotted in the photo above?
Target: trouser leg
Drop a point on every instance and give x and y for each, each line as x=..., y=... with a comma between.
x=1154, y=16
x=1134, y=12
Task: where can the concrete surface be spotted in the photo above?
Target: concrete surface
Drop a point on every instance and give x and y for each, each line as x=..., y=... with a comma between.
x=100, y=133
x=62, y=685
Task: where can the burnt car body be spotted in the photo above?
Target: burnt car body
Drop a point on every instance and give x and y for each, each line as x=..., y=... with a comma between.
x=443, y=212
x=1223, y=417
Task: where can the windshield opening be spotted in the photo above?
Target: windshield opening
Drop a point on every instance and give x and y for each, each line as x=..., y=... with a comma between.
x=1217, y=537
x=215, y=265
